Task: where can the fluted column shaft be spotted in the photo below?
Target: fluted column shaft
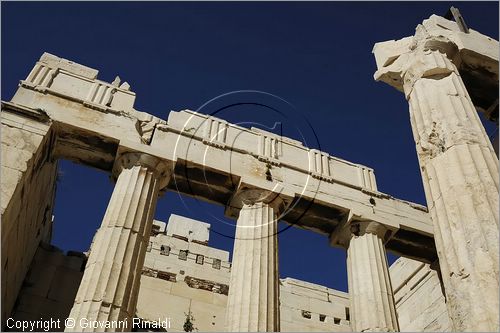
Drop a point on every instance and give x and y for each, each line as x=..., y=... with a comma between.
x=370, y=290
x=253, y=300
x=110, y=284
x=460, y=175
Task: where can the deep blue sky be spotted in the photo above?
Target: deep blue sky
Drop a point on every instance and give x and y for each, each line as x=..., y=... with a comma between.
x=317, y=56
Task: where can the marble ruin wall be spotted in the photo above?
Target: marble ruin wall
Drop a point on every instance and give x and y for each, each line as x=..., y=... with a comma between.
x=50, y=286
x=174, y=284
x=418, y=293
x=28, y=174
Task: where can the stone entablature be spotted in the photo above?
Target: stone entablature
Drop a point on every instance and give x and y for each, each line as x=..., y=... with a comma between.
x=95, y=124
x=329, y=187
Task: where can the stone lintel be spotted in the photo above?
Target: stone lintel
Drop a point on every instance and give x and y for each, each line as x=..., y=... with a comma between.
x=97, y=136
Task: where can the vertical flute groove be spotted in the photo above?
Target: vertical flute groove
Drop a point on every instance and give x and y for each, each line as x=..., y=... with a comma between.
x=254, y=273
x=460, y=170
x=110, y=284
x=370, y=290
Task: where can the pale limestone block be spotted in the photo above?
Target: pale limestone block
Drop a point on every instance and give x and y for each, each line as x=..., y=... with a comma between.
x=420, y=303
x=20, y=138
x=321, y=295
x=33, y=126
x=10, y=181
x=295, y=301
x=155, y=303
x=15, y=158
x=207, y=317
x=68, y=65
x=182, y=289
x=64, y=285
x=176, y=308
x=123, y=100
x=285, y=315
x=189, y=228
x=320, y=306
x=74, y=87
x=219, y=299
x=156, y=284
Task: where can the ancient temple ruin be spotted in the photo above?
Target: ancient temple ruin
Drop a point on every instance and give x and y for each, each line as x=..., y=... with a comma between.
x=447, y=280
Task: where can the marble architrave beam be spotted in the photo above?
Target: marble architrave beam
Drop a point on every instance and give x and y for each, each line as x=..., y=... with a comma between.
x=95, y=123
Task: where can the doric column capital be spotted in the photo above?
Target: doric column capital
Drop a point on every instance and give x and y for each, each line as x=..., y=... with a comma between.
x=426, y=63
x=245, y=195
x=160, y=168
x=251, y=196
x=404, y=62
x=358, y=228
x=355, y=226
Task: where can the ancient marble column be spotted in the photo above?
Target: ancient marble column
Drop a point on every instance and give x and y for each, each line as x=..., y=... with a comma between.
x=370, y=290
x=253, y=300
x=460, y=175
x=110, y=284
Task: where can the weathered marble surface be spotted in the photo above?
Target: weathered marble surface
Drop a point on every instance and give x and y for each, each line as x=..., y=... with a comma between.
x=110, y=283
x=28, y=175
x=418, y=293
x=458, y=163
